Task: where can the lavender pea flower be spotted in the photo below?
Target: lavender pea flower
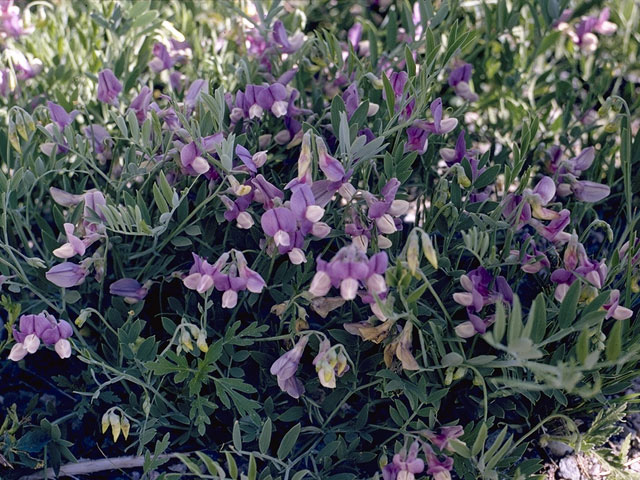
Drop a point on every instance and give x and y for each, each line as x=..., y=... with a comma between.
x=439, y=126
x=285, y=369
x=130, y=289
x=329, y=165
x=459, y=81
x=614, y=309
x=287, y=45
x=66, y=275
x=404, y=465
x=109, y=87
x=74, y=245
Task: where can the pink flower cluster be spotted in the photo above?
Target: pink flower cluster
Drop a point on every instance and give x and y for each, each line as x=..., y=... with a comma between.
x=43, y=327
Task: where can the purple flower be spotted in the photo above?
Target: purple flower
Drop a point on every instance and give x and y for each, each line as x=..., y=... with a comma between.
x=280, y=224
x=162, y=59
x=453, y=156
x=287, y=45
x=109, y=87
x=245, y=157
x=254, y=281
x=274, y=98
x=100, y=141
x=351, y=99
x=442, y=439
x=587, y=191
x=11, y=24
x=41, y=327
x=201, y=275
x=459, y=81
x=192, y=161
x=329, y=165
x=348, y=270
x=440, y=469
x=74, y=245
x=613, y=308
x=140, y=104
x=531, y=263
x=354, y=35
x=129, y=288
x=66, y=275
x=404, y=465
x=554, y=230
x=59, y=115
x=439, y=126
x=285, y=367
x=417, y=140
x=193, y=94
x=481, y=289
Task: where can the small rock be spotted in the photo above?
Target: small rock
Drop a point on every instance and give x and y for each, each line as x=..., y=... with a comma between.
x=568, y=469
x=559, y=449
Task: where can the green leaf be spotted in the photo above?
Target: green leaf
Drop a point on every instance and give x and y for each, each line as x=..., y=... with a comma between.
x=411, y=64
x=478, y=444
x=515, y=326
x=265, y=437
x=487, y=177
x=233, y=467
x=500, y=324
x=389, y=93
x=537, y=320
x=252, y=472
x=237, y=436
x=288, y=441
x=567, y=313
x=613, y=346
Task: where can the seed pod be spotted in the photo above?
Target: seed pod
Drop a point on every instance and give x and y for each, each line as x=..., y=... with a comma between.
x=413, y=253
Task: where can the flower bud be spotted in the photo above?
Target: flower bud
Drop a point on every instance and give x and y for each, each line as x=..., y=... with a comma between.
x=264, y=140
x=373, y=109
x=13, y=137
x=125, y=425
x=463, y=180
x=202, y=342
x=185, y=340
x=384, y=242
x=82, y=318
x=146, y=405
x=429, y=251
x=114, y=421
x=448, y=378
x=105, y=422
x=282, y=137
